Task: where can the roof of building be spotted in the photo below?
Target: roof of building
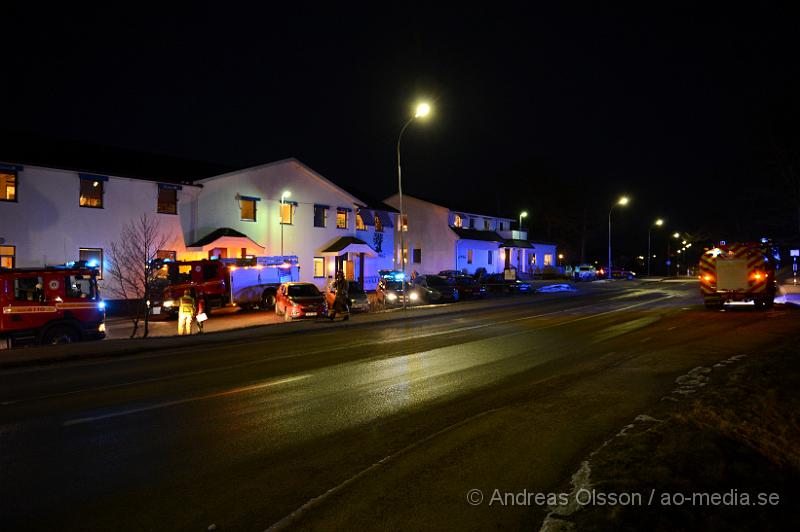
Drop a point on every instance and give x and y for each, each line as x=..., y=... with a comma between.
x=475, y=234
x=342, y=243
x=26, y=148
x=465, y=210
x=215, y=234
x=516, y=243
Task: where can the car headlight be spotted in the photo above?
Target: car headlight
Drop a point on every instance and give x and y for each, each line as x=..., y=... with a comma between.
x=102, y=328
x=168, y=303
x=413, y=296
x=391, y=296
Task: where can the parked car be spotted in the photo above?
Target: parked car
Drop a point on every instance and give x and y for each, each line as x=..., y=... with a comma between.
x=434, y=289
x=389, y=293
x=299, y=300
x=585, y=272
x=466, y=286
x=617, y=273
x=358, y=297
x=497, y=282
x=450, y=273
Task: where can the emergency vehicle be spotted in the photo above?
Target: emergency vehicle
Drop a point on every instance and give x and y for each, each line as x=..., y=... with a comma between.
x=738, y=272
x=247, y=282
x=52, y=305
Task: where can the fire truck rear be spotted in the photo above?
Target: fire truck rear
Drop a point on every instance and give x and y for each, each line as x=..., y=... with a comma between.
x=52, y=305
x=247, y=282
x=738, y=272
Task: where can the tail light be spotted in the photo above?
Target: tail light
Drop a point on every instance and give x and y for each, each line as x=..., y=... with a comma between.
x=708, y=278
x=757, y=276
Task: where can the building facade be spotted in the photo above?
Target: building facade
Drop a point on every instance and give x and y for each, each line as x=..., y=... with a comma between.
x=438, y=238
x=51, y=216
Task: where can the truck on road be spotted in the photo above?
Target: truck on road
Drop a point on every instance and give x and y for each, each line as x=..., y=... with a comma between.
x=248, y=283
x=738, y=272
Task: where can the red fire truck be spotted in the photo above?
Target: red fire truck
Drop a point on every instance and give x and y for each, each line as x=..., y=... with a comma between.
x=738, y=272
x=248, y=282
x=52, y=305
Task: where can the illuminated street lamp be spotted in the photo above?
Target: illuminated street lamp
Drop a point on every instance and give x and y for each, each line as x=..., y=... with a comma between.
x=560, y=259
x=423, y=109
x=658, y=223
x=674, y=235
x=621, y=202
x=284, y=195
x=523, y=214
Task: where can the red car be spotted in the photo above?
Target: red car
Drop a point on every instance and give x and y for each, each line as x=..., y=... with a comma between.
x=467, y=286
x=299, y=300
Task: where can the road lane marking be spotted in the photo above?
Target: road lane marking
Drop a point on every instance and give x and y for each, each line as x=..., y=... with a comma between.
x=165, y=404
x=328, y=350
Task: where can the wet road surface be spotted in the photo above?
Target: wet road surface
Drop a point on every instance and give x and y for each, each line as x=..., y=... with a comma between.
x=381, y=426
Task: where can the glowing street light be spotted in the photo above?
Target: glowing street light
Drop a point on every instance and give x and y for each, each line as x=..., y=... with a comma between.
x=523, y=214
x=676, y=235
x=657, y=223
x=423, y=109
x=622, y=202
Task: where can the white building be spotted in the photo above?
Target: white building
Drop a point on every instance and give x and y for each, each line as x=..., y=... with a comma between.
x=51, y=216
x=439, y=238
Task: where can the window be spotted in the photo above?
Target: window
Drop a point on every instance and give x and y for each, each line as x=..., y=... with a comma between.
x=7, y=256
x=533, y=259
x=167, y=199
x=320, y=215
x=210, y=271
x=248, y=207
x=490, y=257
x=487, y=224
x=28, y=289
x=360, y=222
x=319, y=267
x=8, y=186
x=502, y=226
x=287, y=213
x=548, y=259
x=93, y=258
x=417, y=256
x=458, y=221
x=378, y=224
x=220, y=253
x=404, y=224
x=469, y=256
x=472, y=223
x=341, y=218
x=91, y=192
x=167, y=254
x=79, y=287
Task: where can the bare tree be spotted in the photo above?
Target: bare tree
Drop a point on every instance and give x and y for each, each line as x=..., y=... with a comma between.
x=132, y=275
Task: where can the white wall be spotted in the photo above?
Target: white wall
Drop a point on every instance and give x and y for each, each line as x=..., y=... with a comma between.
x=429, y=231
x=219, y=207
x=48, y=226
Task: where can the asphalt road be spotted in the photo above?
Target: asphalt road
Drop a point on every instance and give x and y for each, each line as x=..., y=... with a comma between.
x=378, y=426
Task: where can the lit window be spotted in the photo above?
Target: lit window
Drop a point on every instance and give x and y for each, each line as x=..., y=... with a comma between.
x=7, y=256
x=404, y=224
x=341, y=218
x=287, y=213
x=320, y=216
x=458, y=221
x=360, y=222
x=417, y=256
x=167, y=200
x=248, y=207
x=93, y=258
x=469, y=256
x=8, y=186
x=378, y=224
x=91, y=192
x=319, y=267
x=548, y=259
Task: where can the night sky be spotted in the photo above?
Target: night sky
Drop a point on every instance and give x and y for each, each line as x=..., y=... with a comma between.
x=552, y=110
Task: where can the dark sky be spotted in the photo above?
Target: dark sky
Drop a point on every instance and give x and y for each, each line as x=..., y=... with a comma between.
x=670, y=105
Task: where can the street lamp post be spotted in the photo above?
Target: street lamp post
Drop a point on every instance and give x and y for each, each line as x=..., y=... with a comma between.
x=659, y=223
x=423, y=109
x=522, y=215
x=284, y=195
x=669, y=260
x=622, y=201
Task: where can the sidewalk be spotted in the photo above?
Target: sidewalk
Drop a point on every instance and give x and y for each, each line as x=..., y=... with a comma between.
x=259, y=325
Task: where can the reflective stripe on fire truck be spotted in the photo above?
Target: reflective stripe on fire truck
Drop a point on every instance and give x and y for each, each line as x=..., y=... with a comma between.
x=28, y=310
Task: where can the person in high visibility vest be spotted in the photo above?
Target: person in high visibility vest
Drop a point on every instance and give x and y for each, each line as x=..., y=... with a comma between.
x=186, y=310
